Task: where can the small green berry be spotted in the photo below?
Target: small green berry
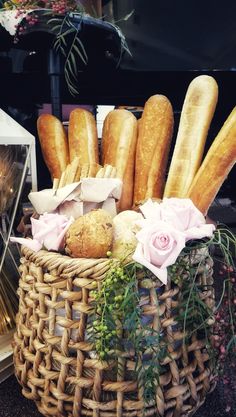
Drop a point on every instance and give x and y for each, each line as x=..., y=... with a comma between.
x=109, y=253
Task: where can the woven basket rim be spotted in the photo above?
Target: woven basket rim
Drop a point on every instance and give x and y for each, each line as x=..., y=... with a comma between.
x=55, y=260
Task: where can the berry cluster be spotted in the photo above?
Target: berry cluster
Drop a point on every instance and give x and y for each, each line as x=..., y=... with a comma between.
x=224, y=338
x=109, y=310
x=226, y=316
x=60, y=7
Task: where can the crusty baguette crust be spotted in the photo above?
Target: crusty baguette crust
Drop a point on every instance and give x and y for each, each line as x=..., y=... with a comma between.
x=53, y=143
x=197, y=112
x=216, y=166
x=154, y=137
x=118, y=149
x=82, y=136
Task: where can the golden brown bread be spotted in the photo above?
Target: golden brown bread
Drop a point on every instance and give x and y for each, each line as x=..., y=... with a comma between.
x=119, y=138
x=82, y=136
x=53, y=143
x=197, y=112
x=216, y=165
x=154, y=136
x=90, y=236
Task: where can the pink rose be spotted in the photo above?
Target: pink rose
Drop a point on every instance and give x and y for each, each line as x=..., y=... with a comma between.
x=181, y=213
x=151, y=210
x=159, y=245
x=49, y=231
x=165, y=230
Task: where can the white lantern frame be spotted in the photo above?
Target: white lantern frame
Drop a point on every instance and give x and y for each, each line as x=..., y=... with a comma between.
x=12, y=133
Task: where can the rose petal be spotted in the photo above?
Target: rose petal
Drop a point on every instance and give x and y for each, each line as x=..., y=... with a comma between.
x=181, y=213
x=32, y=244
x=160, y=273
x=206, y=230
x=151, y=210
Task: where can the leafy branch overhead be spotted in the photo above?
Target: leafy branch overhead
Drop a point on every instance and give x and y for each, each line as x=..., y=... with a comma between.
x=68, y=43
x=71, y=47
x=66, y=19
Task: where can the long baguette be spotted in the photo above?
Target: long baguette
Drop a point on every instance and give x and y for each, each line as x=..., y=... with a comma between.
x=154, y=137
x=82, y=136
x=197, y=112
x=53, y=143
x=119, y=138
x=216, y=166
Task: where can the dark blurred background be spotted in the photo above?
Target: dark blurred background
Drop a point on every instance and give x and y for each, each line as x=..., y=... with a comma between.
x=170, y=43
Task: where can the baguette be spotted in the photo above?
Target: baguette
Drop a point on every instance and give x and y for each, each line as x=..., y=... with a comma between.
x=197, y=112
x=216, y=166
x=154, y=137
x=119, y=138
x=82, y=135
x=53, y=143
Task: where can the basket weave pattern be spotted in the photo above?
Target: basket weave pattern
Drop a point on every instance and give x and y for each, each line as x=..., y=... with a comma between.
x=57, y=366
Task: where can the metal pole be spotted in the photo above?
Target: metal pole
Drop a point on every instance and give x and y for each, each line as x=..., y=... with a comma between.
x=54, y=71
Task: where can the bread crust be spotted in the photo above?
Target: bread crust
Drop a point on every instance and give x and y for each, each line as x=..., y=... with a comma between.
x=90, y=236
x=197, y=113
x=82, y=137
x=119, y=138
x=216, y=166
x=53, y=143
x=154, y=138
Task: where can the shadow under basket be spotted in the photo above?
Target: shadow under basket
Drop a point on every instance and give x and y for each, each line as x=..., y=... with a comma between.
x=58, y=367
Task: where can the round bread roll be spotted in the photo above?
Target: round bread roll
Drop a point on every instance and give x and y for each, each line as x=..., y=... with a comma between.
x=125, y=229
x=90, y=236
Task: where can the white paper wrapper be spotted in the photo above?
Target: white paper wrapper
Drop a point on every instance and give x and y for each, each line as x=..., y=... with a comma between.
x=79, y=198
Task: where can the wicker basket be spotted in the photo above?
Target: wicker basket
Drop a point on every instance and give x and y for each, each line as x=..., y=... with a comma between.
x=54, y=361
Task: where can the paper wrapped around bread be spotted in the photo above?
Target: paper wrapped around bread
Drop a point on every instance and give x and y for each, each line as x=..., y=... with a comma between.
x=154, y=136
x=53, y=143
x=124, y=240
x=90, y=236
x=82, y=137
x=197, y=112
x=216, y=166
x=119, y=138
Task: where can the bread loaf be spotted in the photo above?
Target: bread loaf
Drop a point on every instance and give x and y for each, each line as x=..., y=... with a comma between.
x=82, y=135
x=154, y=136
x=197, y=112
x=119, y=138
x=124, y=240
x=53, y=143
x=90, y=236
x=216, y=165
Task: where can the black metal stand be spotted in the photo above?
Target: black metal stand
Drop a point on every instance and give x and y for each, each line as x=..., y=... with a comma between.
x=55, y=71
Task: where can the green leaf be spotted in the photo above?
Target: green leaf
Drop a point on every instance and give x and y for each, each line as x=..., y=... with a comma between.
x=80, y=54
x=82, y=47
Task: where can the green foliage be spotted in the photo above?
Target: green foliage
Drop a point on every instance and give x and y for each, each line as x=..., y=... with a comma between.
x=118, y=323
x=68, y=43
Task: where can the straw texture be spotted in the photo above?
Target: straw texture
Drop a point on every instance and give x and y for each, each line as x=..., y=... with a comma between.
x=57, y=366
